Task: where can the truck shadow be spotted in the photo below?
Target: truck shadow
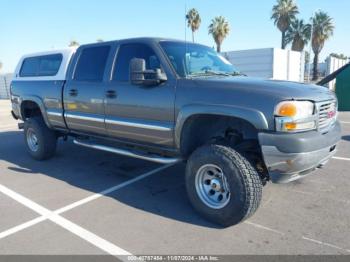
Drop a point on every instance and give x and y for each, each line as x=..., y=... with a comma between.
x=161, y=194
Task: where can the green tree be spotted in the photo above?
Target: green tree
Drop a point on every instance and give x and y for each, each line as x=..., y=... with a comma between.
x=73, y=43
x=283, y=13
x=219, y=29
x=339, y=56
x=99, y=40
x=193, y=21
x=323, y=29
x=298, y=34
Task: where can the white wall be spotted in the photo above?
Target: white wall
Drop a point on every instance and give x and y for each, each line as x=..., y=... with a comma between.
x=333, y=64
x=272, y=63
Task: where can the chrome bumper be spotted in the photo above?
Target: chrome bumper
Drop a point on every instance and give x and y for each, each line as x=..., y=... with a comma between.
x=287, y=167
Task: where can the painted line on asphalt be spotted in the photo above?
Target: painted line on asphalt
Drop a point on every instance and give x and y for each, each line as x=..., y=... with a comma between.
x=20, y=227
x=325, y=244
x=68, y=225
x=303, y=237
x=344, y=122
x=341, y=158
x=65, y=223
x=263, y=227
x=110, y=190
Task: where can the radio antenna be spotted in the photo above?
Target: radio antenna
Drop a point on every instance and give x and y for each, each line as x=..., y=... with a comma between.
x=185, y=21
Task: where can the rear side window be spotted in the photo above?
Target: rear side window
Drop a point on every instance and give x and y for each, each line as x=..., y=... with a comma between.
x=47, y=65
x=92, y=63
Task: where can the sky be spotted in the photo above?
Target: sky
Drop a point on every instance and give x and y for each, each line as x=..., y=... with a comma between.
x=28, y=26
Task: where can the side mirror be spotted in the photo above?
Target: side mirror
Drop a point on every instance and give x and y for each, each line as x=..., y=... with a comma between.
x=140, y=76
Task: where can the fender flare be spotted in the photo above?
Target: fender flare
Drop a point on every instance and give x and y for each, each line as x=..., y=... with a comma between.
x=39, y=102
x=254, y=117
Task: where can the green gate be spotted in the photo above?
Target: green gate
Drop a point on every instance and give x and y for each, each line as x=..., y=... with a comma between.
x=342, y=89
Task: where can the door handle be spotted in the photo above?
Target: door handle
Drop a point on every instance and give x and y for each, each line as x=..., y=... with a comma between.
x=73, y=92
x=111, y=94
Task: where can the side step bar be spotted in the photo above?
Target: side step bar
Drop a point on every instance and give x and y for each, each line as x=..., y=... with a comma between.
x=125, y=152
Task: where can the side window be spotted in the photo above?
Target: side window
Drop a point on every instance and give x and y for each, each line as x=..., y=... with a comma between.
x=129, y=51
x=47, y=65
x=29, y=67
x=92, y=63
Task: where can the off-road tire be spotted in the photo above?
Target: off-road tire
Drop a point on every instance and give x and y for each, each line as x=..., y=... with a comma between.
x=46, y=138
x=242, y=179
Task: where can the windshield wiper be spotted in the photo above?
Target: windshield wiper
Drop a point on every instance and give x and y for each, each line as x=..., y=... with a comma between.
x=209, y=73
x=237, y=74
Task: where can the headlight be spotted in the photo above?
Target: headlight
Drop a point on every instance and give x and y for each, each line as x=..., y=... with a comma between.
x=295, y=116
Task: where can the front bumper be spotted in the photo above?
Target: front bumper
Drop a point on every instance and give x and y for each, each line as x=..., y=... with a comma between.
x=289, y=157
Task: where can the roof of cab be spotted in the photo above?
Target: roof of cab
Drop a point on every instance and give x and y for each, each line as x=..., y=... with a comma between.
x=61, y=74
x=136, y=39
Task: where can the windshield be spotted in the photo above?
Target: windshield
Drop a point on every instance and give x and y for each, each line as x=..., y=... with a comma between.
x=190, y=60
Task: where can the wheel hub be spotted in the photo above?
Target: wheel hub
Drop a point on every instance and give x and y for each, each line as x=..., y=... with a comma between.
x=215, y=185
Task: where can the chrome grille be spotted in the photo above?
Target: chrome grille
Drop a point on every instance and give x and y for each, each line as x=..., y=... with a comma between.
x=327, y=112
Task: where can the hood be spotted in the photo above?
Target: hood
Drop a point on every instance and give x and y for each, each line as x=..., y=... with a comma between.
x=281, y=90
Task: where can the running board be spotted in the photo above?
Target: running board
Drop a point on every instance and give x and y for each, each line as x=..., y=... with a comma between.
x=124, y=152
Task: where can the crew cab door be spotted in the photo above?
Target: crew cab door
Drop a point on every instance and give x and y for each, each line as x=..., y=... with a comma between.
x=84, y=92
x=142, y=114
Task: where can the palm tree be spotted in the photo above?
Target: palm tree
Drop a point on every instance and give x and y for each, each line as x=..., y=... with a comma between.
x=193, y=21
x=219, y=29
x=298, y=34
x=323, y=28
x=283, y=13
x=73, y=43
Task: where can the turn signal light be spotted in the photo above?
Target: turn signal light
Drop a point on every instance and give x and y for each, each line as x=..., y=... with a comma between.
x=287, y=109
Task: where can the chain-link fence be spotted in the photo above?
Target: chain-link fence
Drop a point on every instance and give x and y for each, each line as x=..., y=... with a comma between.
x=5, y=81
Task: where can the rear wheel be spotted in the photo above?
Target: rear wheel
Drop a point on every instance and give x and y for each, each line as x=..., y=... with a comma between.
x=39, y=139
x=222, y=185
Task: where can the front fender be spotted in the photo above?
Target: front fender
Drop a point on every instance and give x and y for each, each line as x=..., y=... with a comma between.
x=254, y=117
x=39, y=102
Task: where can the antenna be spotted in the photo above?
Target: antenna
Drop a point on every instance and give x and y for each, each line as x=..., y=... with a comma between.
x=185, y=21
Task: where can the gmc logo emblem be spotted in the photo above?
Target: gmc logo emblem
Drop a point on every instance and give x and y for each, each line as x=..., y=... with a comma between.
x=331, y=114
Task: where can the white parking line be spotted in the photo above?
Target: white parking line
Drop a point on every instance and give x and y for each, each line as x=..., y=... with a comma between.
x=325, y=244
x=344, y=122
x=341, y=158
x=110, y=190
x=263, y=227
x=20, y=227
x=65, y=223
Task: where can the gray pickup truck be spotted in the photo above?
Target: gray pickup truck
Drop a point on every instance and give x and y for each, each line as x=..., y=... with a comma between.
x=168, y=101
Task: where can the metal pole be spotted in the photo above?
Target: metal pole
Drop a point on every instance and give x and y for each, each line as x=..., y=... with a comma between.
x=7, y=91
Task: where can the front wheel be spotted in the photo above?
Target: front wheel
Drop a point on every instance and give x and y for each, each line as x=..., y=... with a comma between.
x=222, y=185
x=39, y=139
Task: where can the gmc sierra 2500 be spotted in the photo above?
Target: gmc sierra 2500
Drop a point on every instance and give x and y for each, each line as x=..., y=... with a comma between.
x=167, y=101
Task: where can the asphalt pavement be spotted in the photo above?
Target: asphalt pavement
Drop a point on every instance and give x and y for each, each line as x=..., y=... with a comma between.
x=84, y=201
